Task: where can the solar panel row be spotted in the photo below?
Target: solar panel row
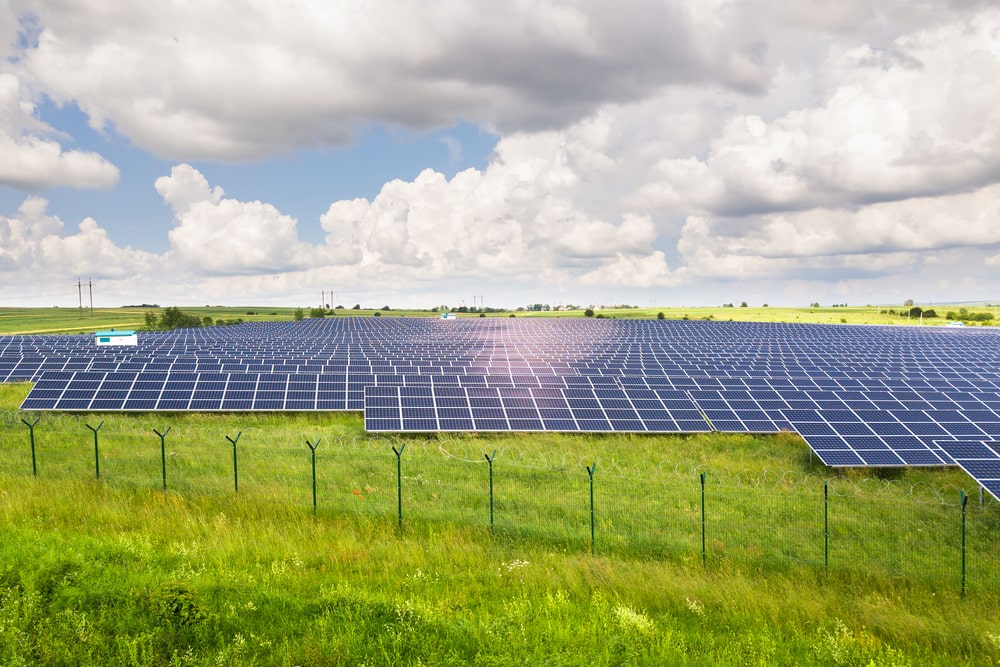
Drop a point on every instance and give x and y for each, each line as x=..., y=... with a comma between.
x=431, y=408
x=979, y=458
x=858, y=395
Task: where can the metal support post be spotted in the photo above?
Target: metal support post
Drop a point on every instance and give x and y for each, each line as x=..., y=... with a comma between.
x=97, y=460
x=312, y=450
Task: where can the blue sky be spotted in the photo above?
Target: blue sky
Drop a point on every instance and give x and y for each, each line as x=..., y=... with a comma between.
x=654, y=152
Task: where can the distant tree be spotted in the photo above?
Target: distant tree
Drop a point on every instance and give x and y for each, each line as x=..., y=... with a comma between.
x=930, y=313
x=339, y=307
x=317, y=312
x=908, y=303
x=173, y=318
x=206, y=321
x=434, y=309
x=298, y=314
x=376, y=314
x=151, y=320
x=482, y=314
x=462, y=309
x=589, y=312
x=743, y=304
x=661, y=316
x=727, y=305
x=386, y=308
x=356, y=306
x=764, y=306
x=512, y=315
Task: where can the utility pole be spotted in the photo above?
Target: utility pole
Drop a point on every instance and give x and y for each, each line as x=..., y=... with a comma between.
x=79, y=293
x=322, y=300
x=90, y=286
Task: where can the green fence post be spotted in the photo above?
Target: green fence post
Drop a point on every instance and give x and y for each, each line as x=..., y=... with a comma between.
x=312, y=449
x=163, y=454
x=826, y=526
x=704, y=555
x=489, y=460
x=399, y=482
x=964, y=499
x=236, y=477
x=590, y=472
x=31, y=437
x=97, y=460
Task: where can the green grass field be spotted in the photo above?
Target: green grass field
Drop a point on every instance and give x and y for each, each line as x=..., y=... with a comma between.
x=72, y=320
x=116, y=570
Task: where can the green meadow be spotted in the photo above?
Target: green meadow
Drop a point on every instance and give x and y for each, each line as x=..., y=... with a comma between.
x=75, y=320
x=411, y=560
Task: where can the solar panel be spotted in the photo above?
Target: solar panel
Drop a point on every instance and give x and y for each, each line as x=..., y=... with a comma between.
x=979, y=458
x=577, y=409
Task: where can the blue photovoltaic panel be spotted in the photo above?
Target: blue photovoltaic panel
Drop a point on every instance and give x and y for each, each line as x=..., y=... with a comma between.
x=577, y=409
x=737, y=410
x=843, y=438
x=882, y=395
x=979, y=458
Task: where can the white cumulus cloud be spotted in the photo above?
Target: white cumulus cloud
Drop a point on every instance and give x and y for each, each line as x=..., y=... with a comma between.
x=215, y=235
x=255, y=79
x=522, y=215
x=30, y=159
x=918, y=118
x=880, y=238
x=33, y=243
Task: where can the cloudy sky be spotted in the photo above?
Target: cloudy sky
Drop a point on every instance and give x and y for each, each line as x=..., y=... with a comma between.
x=667, y=152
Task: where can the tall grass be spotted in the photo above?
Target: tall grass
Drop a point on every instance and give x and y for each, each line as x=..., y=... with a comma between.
x=117, y=571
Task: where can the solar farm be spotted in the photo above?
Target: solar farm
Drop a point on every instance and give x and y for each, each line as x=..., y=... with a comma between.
x=860, y=396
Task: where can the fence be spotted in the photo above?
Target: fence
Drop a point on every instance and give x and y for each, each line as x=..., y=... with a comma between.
x=870, y=528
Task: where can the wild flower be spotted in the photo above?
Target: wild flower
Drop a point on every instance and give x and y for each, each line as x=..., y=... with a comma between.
x=511, y=566
x=630, y=619
x=695, y=607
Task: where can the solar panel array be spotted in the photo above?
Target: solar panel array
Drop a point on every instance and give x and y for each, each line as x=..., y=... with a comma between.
x=869, y=396
x=979, y=458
